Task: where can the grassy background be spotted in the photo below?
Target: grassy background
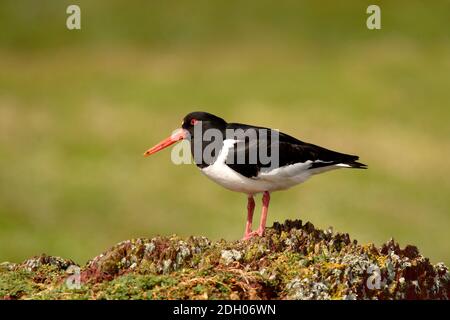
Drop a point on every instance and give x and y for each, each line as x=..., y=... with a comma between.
x=78, y=108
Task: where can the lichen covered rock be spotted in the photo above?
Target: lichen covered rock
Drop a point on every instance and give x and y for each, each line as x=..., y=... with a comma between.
x=292, y=261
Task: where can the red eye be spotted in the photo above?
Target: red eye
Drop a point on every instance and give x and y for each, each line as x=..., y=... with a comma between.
x=194, y=122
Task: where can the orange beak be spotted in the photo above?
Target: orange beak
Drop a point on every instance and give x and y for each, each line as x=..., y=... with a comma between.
x=178, y=135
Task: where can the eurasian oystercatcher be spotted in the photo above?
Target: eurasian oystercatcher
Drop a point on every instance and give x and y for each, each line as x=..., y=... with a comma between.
x=251, y=159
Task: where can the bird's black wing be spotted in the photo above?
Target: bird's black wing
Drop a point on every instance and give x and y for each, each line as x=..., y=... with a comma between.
x=288, y=149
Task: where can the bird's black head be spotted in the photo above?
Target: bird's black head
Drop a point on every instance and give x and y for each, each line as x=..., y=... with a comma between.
x=207, y=121
x=191, y=123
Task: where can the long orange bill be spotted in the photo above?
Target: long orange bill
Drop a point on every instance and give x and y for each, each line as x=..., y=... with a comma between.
x=178, y=135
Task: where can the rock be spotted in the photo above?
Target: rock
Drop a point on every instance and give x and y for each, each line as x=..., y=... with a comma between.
x=291, y=261
x=228, y=256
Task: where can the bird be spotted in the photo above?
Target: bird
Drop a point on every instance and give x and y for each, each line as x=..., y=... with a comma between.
x=238, y=159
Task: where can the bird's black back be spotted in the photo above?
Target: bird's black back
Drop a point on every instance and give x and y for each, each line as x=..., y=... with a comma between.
x=290, y=151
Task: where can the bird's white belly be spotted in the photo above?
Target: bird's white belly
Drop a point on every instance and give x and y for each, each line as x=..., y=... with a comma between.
x=273, y=180
x=232, y=180
x=267, y=180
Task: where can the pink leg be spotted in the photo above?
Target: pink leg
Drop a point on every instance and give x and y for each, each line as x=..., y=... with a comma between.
x=265, y=209
x=262, y=225
x=250, y=210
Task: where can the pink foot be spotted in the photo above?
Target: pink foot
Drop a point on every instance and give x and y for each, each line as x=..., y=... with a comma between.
x=259, y=233
x=250, y=235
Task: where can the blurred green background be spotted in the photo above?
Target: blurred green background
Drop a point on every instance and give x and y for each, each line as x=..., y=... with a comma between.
x=78, y=109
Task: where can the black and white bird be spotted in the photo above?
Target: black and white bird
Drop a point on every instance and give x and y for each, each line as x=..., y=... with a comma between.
x=236, y=162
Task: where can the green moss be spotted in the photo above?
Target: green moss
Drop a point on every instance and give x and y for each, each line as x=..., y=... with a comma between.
x=14, y=285
x=292, y=261
x=133, y=286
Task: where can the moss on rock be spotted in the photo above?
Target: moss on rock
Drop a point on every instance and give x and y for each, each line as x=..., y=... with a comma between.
x=292, y=261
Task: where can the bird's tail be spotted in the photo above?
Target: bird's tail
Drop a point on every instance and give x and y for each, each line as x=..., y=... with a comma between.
x=356, y=165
